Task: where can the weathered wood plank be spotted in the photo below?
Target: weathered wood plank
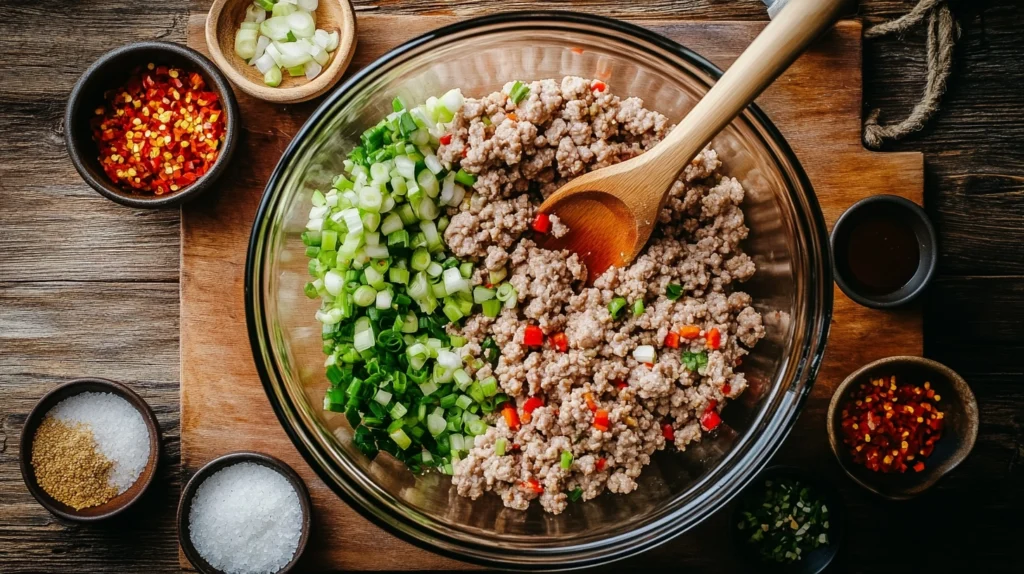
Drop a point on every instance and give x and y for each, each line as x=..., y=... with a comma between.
x=54, y=332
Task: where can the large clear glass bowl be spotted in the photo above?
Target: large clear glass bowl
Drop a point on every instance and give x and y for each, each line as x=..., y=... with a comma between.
x=792, y=289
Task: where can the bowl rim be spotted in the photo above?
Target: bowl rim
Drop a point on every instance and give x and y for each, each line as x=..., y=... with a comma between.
x=928, y=254
x=964, y=394
x=806, y=360
x=43, y=407
x=107, y=188
x=188, y=492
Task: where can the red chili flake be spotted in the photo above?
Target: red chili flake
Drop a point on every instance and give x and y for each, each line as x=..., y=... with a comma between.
x=445, y=139
x=668, y=432
x=672, y=340
x=533, y=336
x=598, y=86
x=649, y=365
x=155, y=133
x=710, y=419
x=726, y=389
x=601, y=463
x=713, y=338
x=890, y=426
x=621, y=385
x=601, y=420
x=541, y=223
x=561, y=342
x=465, y=152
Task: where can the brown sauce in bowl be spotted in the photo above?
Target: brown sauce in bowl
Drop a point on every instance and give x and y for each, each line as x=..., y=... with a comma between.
x=878, y=252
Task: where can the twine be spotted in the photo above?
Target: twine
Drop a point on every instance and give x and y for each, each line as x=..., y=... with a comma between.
x=943, y=31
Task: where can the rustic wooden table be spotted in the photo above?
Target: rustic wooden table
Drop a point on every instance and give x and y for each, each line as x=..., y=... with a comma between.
x=91, y=288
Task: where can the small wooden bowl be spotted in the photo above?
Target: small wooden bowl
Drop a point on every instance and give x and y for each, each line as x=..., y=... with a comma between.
x=958, y=435
x=209, y=469
x=108, y=72
x=222, y=23
x=813, y=562
x=120, y=502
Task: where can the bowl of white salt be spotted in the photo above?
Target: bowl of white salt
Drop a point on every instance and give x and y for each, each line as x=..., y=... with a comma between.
x=244, y=513
x=89, y=449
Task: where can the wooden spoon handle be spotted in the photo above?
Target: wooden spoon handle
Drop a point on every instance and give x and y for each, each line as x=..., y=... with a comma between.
x=774, y=49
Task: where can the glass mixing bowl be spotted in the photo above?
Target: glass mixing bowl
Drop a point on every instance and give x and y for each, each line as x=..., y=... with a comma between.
x=792, y=289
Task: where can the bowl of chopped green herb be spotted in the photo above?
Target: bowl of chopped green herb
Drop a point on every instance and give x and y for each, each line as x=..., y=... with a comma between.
x=787, y=521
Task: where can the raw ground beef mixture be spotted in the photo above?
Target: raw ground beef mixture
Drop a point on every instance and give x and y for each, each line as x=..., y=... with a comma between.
x=520, y=153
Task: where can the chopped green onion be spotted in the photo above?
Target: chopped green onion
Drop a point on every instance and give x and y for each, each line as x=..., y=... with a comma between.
x=673, y=291
x=566, y=462
x=491, y=308
x=401, y=439
x=499, y=446
x=464, y=178
x=518, y=92
x=615, y=306
x=638, y=307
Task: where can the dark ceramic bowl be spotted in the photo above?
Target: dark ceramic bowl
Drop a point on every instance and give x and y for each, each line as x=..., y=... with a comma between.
x=120, y=502
x=110, y=71
x=958, y=435
x=900, y=208
x=811, y=563
x=208, y=470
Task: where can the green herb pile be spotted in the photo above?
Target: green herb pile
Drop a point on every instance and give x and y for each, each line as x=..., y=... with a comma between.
x=785, y=521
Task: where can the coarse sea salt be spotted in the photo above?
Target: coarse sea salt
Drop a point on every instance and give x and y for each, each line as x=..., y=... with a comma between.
x=117, y=427
x=246, y=519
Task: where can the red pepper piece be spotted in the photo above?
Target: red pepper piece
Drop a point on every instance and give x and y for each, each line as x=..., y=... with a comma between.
x=672, y=340
x=689, y=332
x=445, y=139
x=590, y=402
x=541, y=223
x=668, y=432
x=710, y=419
x=601, y=463
x=598, y=86
x=621, y=385
x=726, y=389
x=532, y=403
x=511, y=417
x=713, y=338
x=601, y=420
x=560, y=341
x=533, y=336
x=532, y=485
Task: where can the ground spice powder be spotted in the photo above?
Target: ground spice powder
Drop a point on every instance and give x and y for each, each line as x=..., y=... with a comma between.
x=68, y=465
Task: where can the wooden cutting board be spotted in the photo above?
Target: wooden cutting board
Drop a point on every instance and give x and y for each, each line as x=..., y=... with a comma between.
x=816, y=105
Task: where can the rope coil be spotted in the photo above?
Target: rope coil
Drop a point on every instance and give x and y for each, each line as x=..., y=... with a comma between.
x=943, y=31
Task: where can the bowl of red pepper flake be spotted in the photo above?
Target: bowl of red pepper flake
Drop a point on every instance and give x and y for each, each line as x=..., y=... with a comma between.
x=899, y=424
x=151, y=124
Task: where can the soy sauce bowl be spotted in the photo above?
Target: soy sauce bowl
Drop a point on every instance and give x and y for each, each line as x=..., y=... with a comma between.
x=814, y=561
x=904, y=211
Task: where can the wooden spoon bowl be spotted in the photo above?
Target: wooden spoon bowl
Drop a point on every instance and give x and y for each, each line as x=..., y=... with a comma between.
x=222, y=23
x=612, y=211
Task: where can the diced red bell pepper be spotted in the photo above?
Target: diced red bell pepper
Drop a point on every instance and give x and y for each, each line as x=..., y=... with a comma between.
x=649, y=365
x=511, y=417
x=713, y=338
x=918, y=466
x=533, y=336
x=668, y=432
x=621, y=385
x=601, y=420
x=532, y=403
x=445, y=139
x=598, y=86
x=560, y=341
x=689, y=332
x=710, y=419
x=532, y=485
x=672, y=340
x=590, y=402
x=541, y=223
x=601, y=463
x=726, y=389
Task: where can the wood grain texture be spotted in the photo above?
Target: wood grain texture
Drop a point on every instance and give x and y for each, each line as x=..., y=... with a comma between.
x=975, y=193
x=224, y=407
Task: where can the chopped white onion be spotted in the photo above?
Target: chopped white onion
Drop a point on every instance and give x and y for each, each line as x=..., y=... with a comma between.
x=261, y=50
x=452, y=100
x=312, y=69
x=275, y=53
x=320, y=56
x=448, y=359
x=264, y=64
x=333, y=282
x=644, y=354
x=308, y=5
x=332, y=43
x=454, y=281
x=322, y=38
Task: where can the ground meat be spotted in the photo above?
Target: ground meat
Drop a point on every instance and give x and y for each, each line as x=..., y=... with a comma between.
x=519, y=153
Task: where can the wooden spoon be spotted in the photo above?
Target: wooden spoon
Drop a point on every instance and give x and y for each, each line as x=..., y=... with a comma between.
x=612, y=211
